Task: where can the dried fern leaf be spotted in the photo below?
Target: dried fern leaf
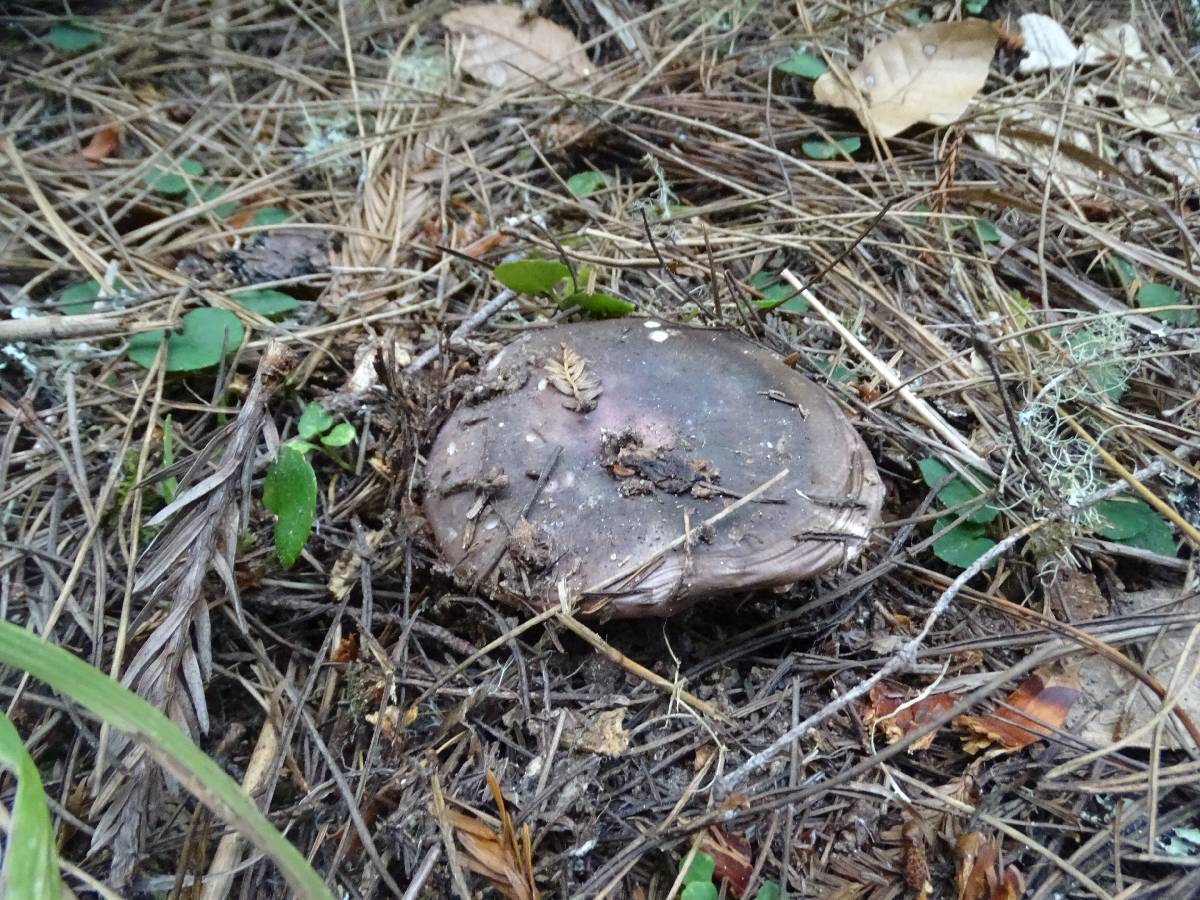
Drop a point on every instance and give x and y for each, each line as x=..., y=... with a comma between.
x=570, y=376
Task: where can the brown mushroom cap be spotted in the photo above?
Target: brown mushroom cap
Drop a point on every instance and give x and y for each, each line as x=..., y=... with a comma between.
x=657, y=425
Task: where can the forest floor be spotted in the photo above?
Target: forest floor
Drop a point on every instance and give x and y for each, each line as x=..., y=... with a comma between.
x=1005, y=308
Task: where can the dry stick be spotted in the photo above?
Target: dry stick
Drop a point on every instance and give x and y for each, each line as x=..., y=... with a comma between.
x=484, y=313
x=907, y=654
x=58, y=328
x=919, y=406
x=572, y=624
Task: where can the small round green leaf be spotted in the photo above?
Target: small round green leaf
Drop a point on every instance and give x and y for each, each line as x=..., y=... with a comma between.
x=803, y=64
x=71, y=38
x=532, y=276
x=207, y=335
x=699, y=890
x=270, y=216
x=831, y=149
x=290, y=492
x=313, y=421
x=340, y=435
x=583, y=184
x=602, y=306
x=955, y=492
x=776, y=294
x=81, y=298
x=768, y=891
x=266, y=303
x=211, y=192
x=701, y=869
x=987, y=232
x=961, y=545
x=170, y=181
x=1150, y=295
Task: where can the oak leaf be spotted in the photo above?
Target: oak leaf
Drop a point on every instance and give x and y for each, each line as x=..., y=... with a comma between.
x=926, y=74
x=503, y=47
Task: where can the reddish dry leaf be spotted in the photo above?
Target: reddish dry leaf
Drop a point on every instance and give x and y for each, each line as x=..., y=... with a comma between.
x=504, y=858
x=885, y=709
x=975, y=865
x=346, y=650
x=732, y=861
x=1044, y=698
x=102, y=144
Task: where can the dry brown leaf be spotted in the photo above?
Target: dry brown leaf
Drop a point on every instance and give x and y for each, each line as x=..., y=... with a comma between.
x=604, y=735
x=102, y=144
x=1077, y=595
x=1114, y=703
x=570, y=376
x=916, y=865
x=503, y=47
x=1027, y=138
x=1044, y=698
x=732, y=861
x=504, y=858
x=886, y=710
x=927, y=74
x=1115, y=41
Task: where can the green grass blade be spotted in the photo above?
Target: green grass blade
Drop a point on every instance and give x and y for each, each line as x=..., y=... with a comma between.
x=30, y=863
x=170, y=747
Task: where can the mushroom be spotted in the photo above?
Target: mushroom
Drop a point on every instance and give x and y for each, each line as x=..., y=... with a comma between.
x=623, y=461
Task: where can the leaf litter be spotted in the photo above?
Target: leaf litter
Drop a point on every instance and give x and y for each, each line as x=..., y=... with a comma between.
x=413, y=157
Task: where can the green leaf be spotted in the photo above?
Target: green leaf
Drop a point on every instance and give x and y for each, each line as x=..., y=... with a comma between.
x=123, y=710
x=71, y=38
x=699, y=890
x=834, y=371
x=532, y=276
x=916, y=17
x=290, y=491
x=584, y=184
x=82, y=298
x=168, y=487
x=266, y=303
x=170, y=181
x=974, y=7
x=601, y=306
x=700, y=870
x=30, y=860
x=804, y=64
x=341, y=435
x=830, y=149
x=212, y=192
x=1088, y=347
x=776, y=294
x=919, y=215
x=270, y=216
x=956, y=492
x=313, y=421
x=207, y=335
x=961, y=545
x=1133, y=522
x=986, y=232
x=768, y=891
x=1151, y=295
x=1124, y=270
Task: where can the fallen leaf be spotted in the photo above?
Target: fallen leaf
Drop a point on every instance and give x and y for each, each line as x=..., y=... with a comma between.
x=1150, y=99
x=102, y=144
x=887, y=710
x=732, y=862
x=1046, y=44
x=927, y=74
x=1114, y=703
x=1027, y=137
x=1115, y=41
x=346, y=650
x=1077, y=595
x=1177, y=158
x=604, y=735
x=503, y=47
x=504, y=858
x=1045, y=700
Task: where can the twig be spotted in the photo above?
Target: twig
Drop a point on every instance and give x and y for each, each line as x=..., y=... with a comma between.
x=907, y=654
x=919, y=406
x=58, y=328
x=468, y=325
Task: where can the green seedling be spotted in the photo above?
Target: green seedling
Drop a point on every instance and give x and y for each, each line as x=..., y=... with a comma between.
x=207, y=335
x=776, y=294
x=71, y=37
x=550, y=278
x=82, y=298
x=831, y=149
x=290, y=488
x=175, y=179
x=962, y=544
x=698, y=881
x=584, y=184
x=804, y=64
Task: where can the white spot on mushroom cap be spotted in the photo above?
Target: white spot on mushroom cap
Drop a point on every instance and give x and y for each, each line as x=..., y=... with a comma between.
x=531, y=437
x=650, y=323
x=659, y=336
x=451, y=449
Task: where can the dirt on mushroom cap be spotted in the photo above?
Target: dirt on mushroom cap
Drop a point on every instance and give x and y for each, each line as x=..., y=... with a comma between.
x=680, y=422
